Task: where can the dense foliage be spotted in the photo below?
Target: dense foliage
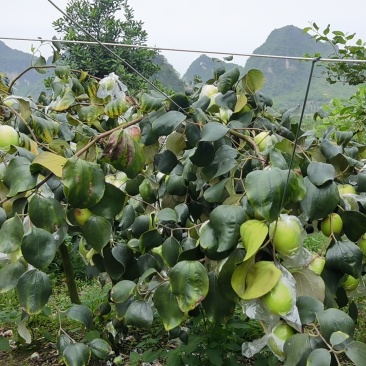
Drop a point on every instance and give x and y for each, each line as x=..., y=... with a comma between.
x=343, y=47
x=187, y=207
x=100, y=19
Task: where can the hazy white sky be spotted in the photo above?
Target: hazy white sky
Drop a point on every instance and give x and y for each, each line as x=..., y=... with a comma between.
x=233, y=26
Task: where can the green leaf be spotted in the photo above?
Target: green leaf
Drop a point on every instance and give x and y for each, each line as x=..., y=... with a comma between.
x=204, y=154
x=226, y=221
x=97, y=231
x=23, y=331
x=354, y=224
x=111, y=203
x=165, y=124
x=110, y=263
x=100, y=348
x=253, y=81
x=150, y=239
x=329, y=150
x=170, y=251
x=297, y=348
x=217, y=307
x=213, y=131
x=346, y=257
x=253, y=233
x=265, y=189
x=165, y=161
x=76, y=354
x=226, y=273
x=340, y=340
x=39, y=247
x=46, y=213
x=63, y=72
x=40, y=62
x=122, y=290
x=150, y=103
x=166, y=215
x=227, y=80
x=319, y=201
x=19, y=167
x=356, y=352
x=216, y=193
x=189, y=283
x=83, y=183
x=320, y=173
x=33, y=289
x=11, y=234
x=9, y=275
x=332, y=320
x=308, y=306
x=139, y=314
x=82, y=314
x=128, y=216
x=319, y=357
x=54, y=163
x=167, y=306
x=309, y=283
x=208, y=239
x=224, y=161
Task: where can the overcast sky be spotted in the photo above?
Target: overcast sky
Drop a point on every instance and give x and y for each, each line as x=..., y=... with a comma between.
x=233, y=26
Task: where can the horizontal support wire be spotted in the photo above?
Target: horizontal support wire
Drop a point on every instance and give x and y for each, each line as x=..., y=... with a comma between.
x=91, y=43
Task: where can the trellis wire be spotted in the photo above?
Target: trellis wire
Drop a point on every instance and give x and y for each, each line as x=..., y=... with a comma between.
x=125, y=45
x=106, y=46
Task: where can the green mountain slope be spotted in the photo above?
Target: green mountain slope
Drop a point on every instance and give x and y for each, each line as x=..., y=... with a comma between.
x=287, y=79
x=13, y=62
x=203, y=67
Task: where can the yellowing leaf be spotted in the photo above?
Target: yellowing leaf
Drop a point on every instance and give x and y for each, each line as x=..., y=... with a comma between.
x=253, y=281
x=253, y=233
x=50, y=161
x=240, y=103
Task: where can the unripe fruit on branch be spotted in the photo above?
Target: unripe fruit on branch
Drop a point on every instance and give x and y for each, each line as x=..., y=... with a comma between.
x=346, y=189
x=332, y=224
x=280, y=334
x=263, y=140
x=362, y=244
x=208, y=91
x=280, y=299
x=317, y=264
x=8, y=136
x=351, y=283
x=81, y=215
x=287, y=235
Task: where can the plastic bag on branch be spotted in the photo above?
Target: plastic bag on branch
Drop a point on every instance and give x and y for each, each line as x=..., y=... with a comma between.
x=274, y=308
x=287, y=235
x=111, y=86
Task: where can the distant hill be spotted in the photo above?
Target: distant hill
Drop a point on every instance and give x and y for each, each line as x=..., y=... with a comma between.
x=13, y=62
x=286, y=79
x=203, y=67
x=167, y=75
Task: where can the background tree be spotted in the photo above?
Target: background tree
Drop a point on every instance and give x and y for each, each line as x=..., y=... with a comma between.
x=99, y=19
x=348, y=73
